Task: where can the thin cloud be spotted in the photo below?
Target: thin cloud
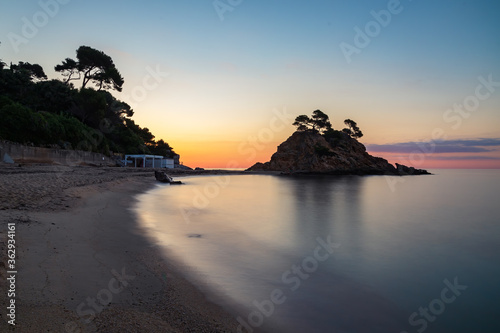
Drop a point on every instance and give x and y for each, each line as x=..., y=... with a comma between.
x=439, y=147
x=462, y=158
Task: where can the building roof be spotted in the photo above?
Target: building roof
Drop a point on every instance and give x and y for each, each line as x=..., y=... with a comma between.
x=144, y=155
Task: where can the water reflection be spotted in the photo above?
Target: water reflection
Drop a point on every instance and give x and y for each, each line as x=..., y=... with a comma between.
x=395, y=247
x=326, y=205
x=327, y=300
x=259, y=227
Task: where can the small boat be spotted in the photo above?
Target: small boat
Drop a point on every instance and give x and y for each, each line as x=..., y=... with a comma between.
x=161, y=176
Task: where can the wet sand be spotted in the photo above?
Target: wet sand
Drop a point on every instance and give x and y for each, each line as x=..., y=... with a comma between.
x=82, y=263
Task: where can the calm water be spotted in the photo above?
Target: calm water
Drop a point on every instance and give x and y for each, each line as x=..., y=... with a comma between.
x=420, y=255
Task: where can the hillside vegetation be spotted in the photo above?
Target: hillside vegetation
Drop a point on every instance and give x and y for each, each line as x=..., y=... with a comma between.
x=36, y=110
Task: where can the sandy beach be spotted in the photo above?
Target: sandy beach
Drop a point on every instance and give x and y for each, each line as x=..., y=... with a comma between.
x=82, y=263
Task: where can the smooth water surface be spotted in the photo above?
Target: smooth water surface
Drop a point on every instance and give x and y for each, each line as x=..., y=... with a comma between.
x=339, y=253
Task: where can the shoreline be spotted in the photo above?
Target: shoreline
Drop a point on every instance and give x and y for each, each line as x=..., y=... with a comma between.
x=83, y=263
x=76, y=233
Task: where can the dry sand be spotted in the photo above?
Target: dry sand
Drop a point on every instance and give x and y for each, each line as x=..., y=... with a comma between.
x=78, y=247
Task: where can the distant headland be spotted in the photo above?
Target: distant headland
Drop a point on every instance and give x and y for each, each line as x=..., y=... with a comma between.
x=317, y=148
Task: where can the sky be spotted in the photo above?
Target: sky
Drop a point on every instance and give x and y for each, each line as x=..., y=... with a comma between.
x=222, y=81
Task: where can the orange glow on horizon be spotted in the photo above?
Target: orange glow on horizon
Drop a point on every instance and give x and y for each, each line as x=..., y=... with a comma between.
x=223, y=154
x=241, y=155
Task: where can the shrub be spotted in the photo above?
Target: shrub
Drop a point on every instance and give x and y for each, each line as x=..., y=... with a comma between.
x=323, y=151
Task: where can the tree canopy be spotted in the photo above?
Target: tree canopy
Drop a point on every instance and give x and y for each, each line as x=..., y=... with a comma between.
x=318, y=122
x=37, y=110
x=2, y=64
x=34, y=71
x=93, y=66
x=352, y=129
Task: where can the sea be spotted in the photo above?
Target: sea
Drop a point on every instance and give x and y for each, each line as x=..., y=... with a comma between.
x=338, y=253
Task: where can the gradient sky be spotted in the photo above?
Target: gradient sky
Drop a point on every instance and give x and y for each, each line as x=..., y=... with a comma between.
x=231, y=80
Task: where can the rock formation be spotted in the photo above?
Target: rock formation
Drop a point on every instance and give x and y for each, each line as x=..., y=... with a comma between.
x=336, y=153
x=161, y=176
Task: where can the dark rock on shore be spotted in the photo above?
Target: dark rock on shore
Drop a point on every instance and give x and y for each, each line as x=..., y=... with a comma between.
x=307, y=152
x=162, y=176
x=183, y=167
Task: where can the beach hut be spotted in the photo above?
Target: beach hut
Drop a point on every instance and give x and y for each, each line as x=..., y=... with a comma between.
x=148, y=161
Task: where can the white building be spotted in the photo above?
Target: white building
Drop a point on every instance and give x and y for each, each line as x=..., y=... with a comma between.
x=148, y=161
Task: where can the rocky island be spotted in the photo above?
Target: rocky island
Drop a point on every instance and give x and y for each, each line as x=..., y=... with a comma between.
x=316, y=148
